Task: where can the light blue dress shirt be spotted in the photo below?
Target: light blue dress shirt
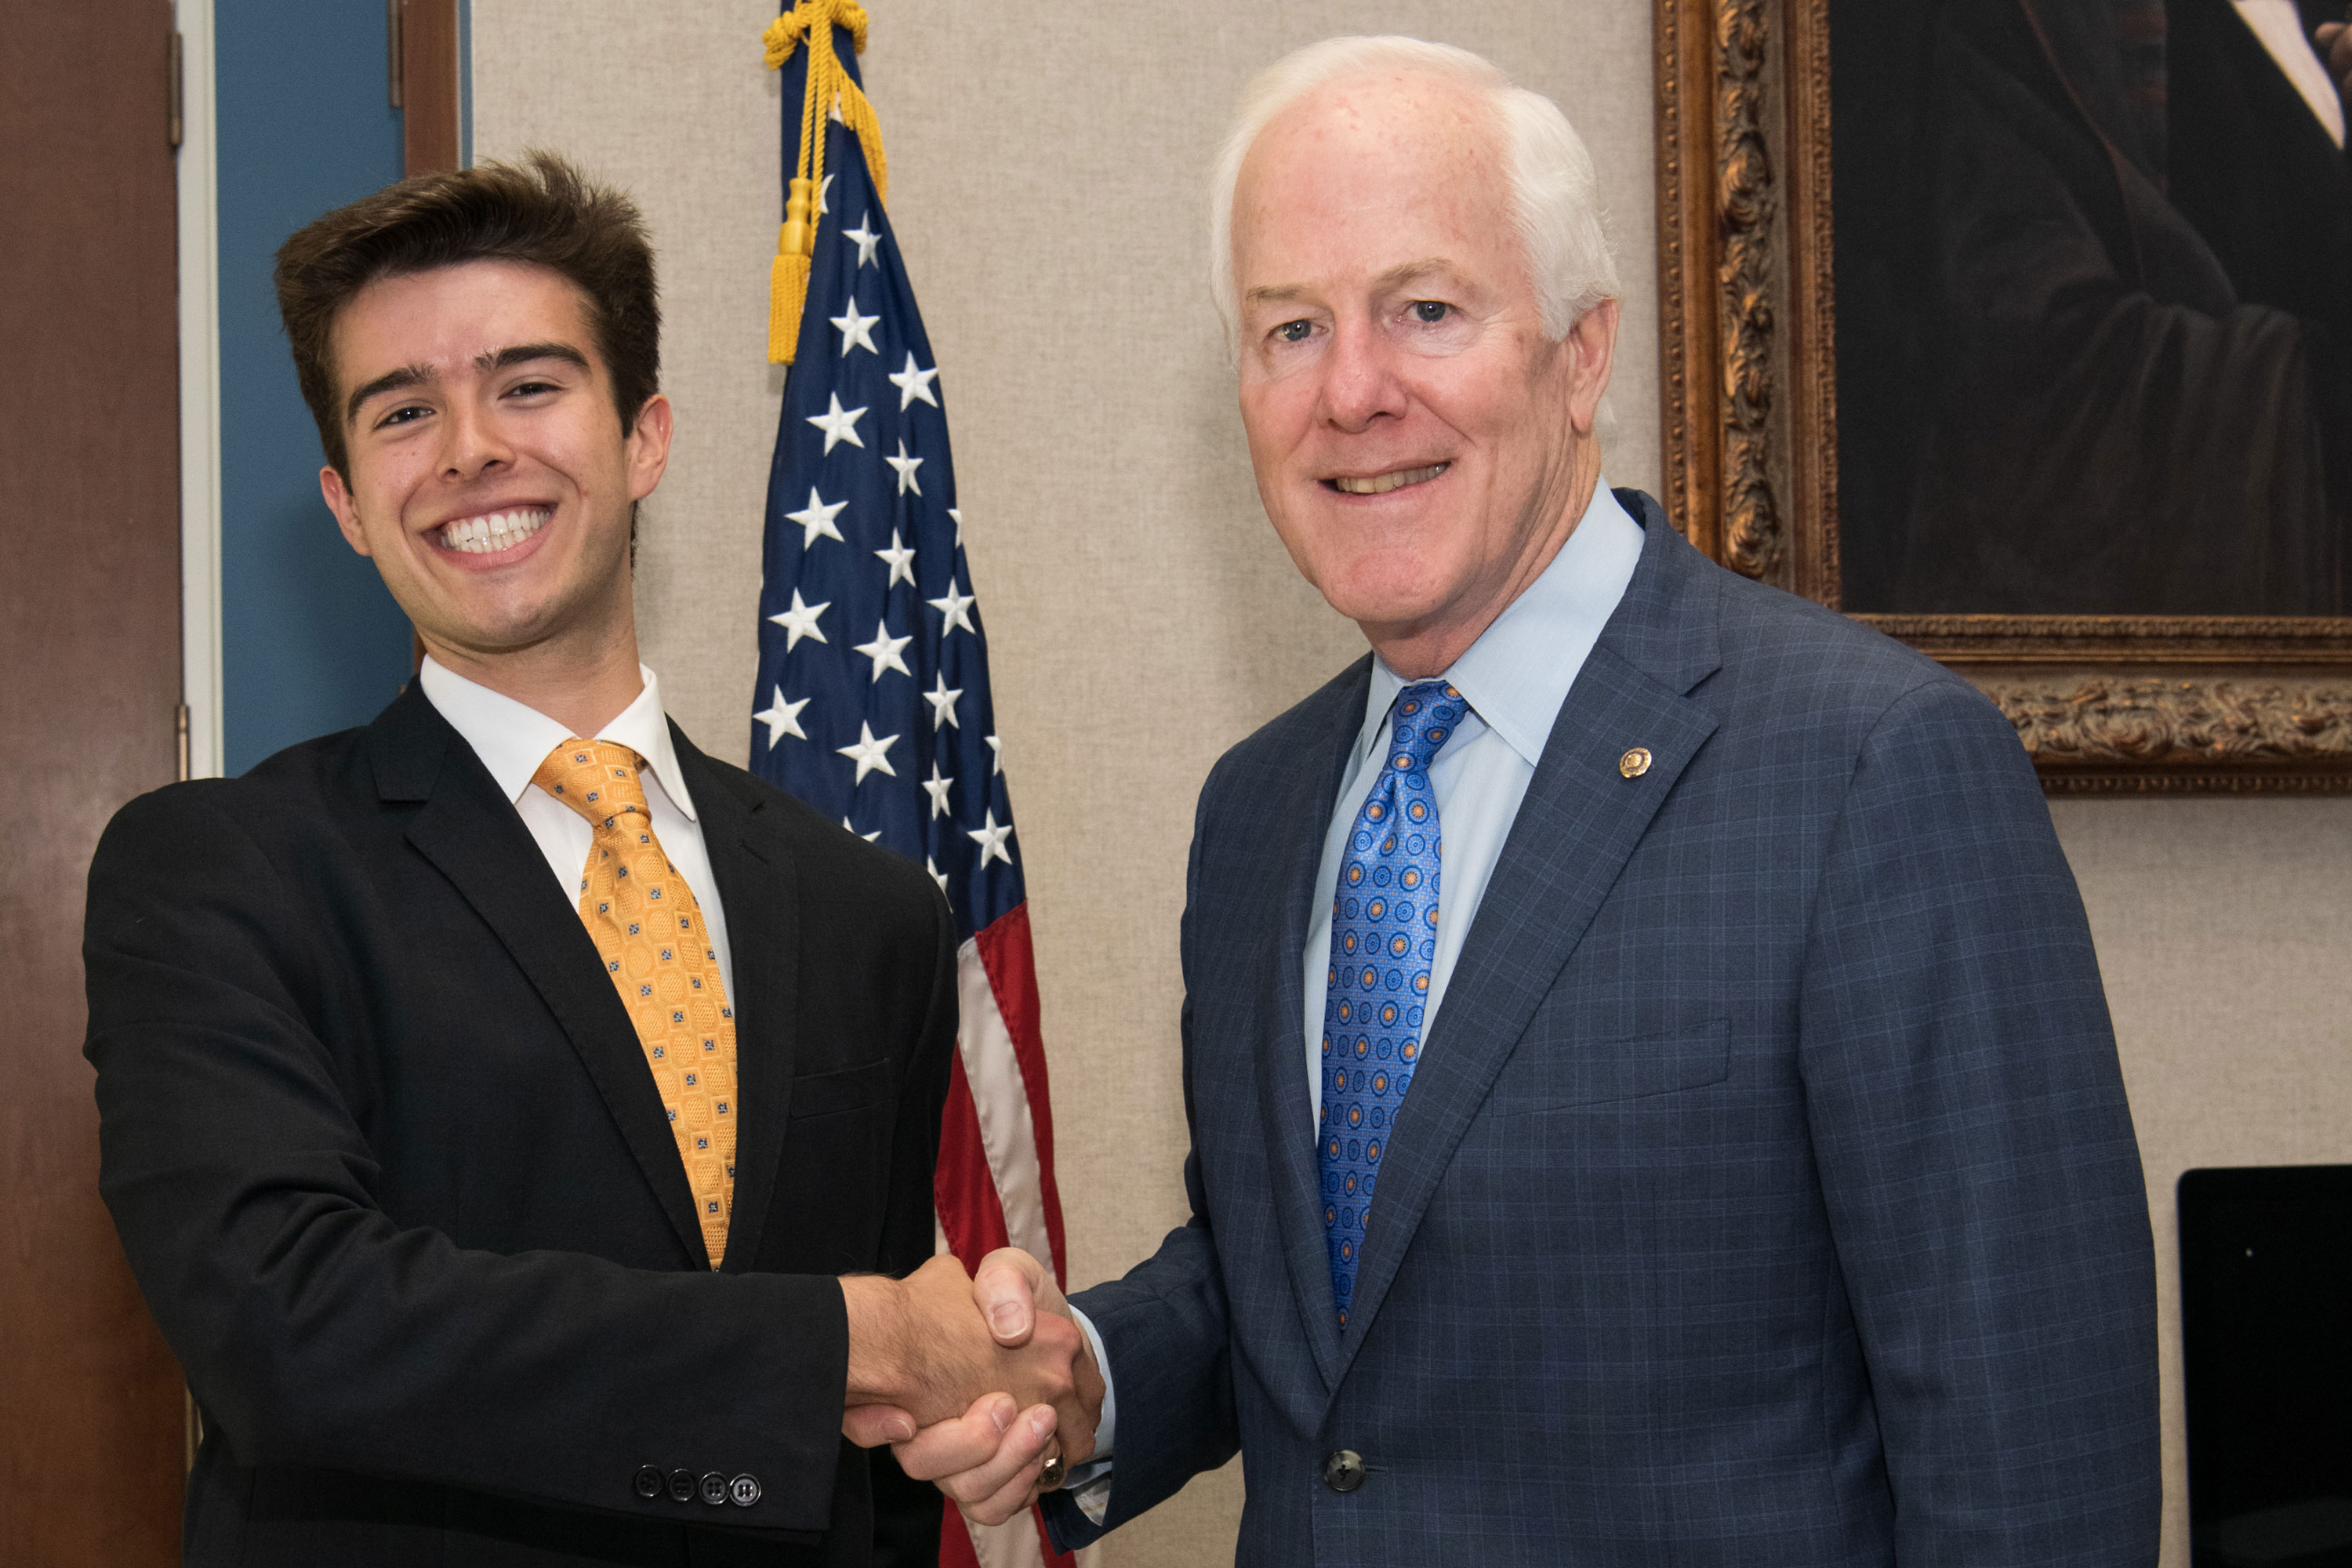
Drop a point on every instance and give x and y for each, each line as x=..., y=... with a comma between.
x=1515, y=677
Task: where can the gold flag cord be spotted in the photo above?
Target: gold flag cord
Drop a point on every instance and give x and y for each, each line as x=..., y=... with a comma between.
x=810, y=24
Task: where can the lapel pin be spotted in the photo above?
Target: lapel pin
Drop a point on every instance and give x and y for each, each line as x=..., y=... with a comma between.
x=1634, y=763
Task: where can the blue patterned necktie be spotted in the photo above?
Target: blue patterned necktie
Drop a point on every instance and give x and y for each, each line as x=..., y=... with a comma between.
x=1383, y=938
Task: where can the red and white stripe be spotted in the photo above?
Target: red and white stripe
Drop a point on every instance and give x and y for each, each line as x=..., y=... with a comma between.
x=996, y=1182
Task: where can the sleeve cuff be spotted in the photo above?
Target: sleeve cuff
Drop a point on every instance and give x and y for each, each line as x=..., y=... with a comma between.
x=1088, y=1486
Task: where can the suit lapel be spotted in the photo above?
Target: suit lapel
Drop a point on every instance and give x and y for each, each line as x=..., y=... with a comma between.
x=473, y=836
x=1298, y=824
x=1577, y=826
x=753, y=865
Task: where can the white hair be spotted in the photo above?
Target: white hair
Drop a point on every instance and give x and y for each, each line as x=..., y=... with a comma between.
x=1555, y=200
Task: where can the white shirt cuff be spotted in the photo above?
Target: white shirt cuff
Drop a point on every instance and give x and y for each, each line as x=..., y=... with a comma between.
x=1089, y=1484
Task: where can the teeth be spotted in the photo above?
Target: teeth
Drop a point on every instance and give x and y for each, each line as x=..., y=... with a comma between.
x=495, y=530
x=1380, y=484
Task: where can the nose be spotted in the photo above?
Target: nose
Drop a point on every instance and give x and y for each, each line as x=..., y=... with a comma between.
x=471, y=442
x=1359, y=381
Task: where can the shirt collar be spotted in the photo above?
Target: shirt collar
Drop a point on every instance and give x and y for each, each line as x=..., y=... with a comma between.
x=1517, y=673
x=512, y=739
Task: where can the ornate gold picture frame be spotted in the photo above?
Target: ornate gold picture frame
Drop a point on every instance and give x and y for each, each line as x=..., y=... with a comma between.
x=2105, y=704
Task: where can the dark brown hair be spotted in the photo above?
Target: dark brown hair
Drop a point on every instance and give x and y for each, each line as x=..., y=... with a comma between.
x=540, y=210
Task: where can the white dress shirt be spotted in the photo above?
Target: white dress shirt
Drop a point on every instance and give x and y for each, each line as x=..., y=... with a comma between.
x=1515, y=677
x=512, y=740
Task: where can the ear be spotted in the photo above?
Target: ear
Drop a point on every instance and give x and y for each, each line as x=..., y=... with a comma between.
x=339, y=502
x=1593, y=342
x=648, y=447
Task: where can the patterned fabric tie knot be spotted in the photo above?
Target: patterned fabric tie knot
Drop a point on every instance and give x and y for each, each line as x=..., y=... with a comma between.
x=649, y=929
x=1383, y=941
x=598, y=779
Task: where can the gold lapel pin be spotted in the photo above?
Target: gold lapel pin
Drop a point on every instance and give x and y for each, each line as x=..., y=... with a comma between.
x=1634, y=763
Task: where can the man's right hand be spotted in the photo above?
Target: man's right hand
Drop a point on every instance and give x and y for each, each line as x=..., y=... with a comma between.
x=989, y=1457
x=2336, y=53
x=930, y=1351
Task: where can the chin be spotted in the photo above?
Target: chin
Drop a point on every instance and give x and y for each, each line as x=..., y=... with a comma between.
x=1384, y=592
x=1389, y=616
x=500, y=629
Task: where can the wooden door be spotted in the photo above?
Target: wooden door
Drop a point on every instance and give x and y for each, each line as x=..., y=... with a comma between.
x=92, y=1444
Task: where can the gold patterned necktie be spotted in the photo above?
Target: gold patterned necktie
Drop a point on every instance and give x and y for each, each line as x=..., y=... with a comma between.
x=649, y=931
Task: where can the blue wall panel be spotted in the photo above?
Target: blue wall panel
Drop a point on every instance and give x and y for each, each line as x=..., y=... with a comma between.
x=310, y=641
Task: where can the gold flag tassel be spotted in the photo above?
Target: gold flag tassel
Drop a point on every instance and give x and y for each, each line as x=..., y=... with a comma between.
x=830, y=89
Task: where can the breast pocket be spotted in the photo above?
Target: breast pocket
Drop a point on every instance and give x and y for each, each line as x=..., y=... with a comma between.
x=1554, y=1069
x=844, y=1089
x=833, y=1172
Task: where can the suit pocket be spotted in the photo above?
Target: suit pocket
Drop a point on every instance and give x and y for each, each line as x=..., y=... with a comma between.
x=833, y=1172
x=845, y=1088
x=1554, y=1069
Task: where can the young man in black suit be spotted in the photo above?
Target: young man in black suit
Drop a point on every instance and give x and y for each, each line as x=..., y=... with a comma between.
x=515, y=1118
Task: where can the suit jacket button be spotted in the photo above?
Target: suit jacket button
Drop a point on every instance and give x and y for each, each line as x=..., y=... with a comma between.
x=714, y=1489
x=681, y=1486
x=1343, y=1471
x=743, y=1490
x=648, y=1483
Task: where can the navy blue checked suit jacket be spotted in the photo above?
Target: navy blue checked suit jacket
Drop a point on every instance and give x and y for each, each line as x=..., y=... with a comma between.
x=1767, y=1193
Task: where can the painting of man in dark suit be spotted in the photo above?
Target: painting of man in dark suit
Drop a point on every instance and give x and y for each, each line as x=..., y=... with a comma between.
x=2094, y=272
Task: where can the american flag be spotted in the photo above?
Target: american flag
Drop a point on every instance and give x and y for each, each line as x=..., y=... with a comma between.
x=873, y=699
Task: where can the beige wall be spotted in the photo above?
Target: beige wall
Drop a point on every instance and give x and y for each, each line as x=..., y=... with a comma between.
x=1047, y=185
x=2223, y=928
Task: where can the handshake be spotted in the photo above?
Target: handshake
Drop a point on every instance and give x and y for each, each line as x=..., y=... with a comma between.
x=983, y=1384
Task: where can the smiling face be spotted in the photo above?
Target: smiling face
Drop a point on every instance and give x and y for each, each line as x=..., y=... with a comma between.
x=488, y=478
x=1421, y=448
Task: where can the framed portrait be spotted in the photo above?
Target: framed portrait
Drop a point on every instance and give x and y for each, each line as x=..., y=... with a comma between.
x=2021, y=330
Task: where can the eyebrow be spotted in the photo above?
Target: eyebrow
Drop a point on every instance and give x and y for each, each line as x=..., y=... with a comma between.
x=409, y=375
x=1393, y=278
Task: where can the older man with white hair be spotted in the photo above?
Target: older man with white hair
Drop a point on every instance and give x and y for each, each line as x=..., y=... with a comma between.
x=1650, y=1093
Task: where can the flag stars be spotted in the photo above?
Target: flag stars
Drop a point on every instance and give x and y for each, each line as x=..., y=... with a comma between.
x=781, y=717
x=942, y=699
x=839, y=425
x=816, y=517
x=906, y=467
x=957, y=608
x=800, y=621
x=936, y=788
x=865, y=241
x=857, y=327
x=912, y=384
x=899, y=558
x=991, y=839
x=884, y=650
x=854, y=330
x=871, y=754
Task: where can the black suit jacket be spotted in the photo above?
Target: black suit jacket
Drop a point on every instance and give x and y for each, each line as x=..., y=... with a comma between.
x=389, y=1166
